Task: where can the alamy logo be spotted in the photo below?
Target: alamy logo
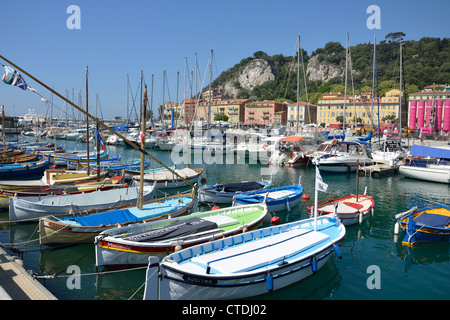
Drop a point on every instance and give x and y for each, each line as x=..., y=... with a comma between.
x=374, y=21
x=74, y=20
x=374, y=281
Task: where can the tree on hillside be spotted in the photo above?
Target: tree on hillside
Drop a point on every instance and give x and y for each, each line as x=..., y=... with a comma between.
x=395, y=36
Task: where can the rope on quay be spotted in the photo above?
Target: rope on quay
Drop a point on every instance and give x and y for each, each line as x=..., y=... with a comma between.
x=100, y=273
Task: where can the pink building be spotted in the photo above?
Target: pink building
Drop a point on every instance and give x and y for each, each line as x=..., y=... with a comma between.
x=266, y=112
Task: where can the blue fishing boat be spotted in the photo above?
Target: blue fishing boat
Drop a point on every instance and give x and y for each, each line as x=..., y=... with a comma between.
x=24, y=168
x=431, y=224
x=224, y=193
x=82, y=228
x=277, y=199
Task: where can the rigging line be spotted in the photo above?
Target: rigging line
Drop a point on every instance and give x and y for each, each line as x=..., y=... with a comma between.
x=100, y=273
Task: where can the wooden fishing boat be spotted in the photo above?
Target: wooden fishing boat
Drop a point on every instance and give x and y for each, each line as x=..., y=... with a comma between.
x=245, y=265
x=72, y=229
x=82, y=164
x=25, y=168
x=276, y=199
x=350, y=209
x=167, y=179
x=103, y=184
x=18, y=158
x=224, y=193
x=132, y=245
x=62, y=159
x=430, y=224
x=33, y=208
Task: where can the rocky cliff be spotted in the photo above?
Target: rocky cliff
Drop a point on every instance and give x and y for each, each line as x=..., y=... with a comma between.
x=255, y=73
x=323, y=71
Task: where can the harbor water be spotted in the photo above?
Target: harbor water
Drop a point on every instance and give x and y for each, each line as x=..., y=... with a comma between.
x=374, y=264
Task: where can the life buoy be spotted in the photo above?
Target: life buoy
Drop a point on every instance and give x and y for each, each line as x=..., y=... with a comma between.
x=264, y=146
x=292, y=155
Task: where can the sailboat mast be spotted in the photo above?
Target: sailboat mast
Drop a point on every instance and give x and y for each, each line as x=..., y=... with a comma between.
x=378, y=97
x=141, y=184
x=87, y=122
x=373, y=81
x=400, y=96
x=298, y=79
x=345, y=94
x=128, y=93
x=210, y=92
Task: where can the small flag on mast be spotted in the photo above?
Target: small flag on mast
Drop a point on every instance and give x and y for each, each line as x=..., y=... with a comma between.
x=14, y=78
x=320, y=185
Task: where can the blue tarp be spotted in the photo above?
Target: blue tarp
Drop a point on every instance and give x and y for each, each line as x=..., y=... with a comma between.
x=432, y=220
x=107, y=218
x=423, y=151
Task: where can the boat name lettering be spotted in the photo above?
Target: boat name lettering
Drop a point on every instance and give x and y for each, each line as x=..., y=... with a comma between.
x=200, y=281
x=57, y=227
x=115, y=245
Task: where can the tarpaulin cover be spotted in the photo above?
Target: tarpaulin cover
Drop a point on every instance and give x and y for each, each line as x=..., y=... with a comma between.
x=432, y=220
x=243, y=187
x=423, y=151
x=107, y=218
x=292, y=139
x=178, y=229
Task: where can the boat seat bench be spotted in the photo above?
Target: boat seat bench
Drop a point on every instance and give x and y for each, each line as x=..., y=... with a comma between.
x=259, y=254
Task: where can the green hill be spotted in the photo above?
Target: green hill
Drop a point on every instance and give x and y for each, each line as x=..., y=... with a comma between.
x=425, y=62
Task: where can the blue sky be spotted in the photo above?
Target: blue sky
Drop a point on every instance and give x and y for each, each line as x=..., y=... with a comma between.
x=126, y=37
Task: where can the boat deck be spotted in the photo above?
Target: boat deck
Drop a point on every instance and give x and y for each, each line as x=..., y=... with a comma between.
x=256, y=254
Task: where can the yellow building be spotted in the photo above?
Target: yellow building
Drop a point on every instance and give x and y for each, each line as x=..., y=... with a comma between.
x=305, y=115
x=359, y=109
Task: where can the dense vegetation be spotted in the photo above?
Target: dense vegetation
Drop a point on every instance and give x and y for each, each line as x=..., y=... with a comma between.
x=425, y=62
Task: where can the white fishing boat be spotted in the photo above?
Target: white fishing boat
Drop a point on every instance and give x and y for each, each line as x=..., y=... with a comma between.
x=132, y=245
x=166, y=179
x=246, y=265
x=33, y=208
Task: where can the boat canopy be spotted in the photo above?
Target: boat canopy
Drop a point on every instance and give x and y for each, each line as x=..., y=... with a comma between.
x=424, y=151
x=292, y=139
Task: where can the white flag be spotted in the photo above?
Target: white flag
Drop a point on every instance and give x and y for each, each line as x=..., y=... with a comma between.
x=320, y=185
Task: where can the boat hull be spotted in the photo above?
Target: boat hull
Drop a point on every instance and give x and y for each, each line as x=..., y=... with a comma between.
x=28, y=208
x=441, y=175
x=24, y=169
x=349, y=210
x=56, y=232
x=278, y=199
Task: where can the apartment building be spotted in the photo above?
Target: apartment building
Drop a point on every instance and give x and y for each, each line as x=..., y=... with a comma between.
x=265, y=112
